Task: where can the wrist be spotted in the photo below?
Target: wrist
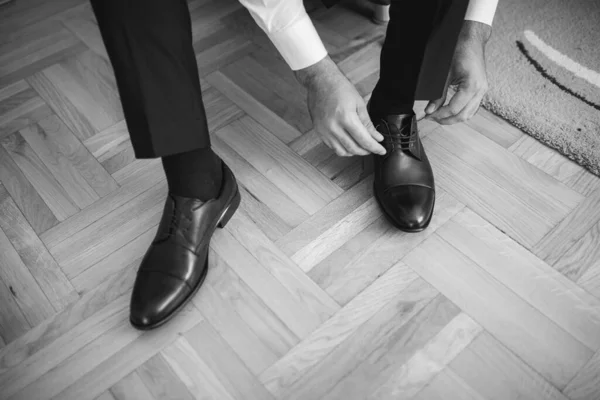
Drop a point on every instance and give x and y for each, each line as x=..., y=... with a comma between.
x=475, y=33
x=311, y=75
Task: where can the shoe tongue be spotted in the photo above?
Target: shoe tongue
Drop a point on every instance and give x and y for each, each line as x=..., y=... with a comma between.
x=400, y=124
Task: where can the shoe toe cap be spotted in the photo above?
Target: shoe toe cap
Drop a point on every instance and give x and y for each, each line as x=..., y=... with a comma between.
x=411, y=206
x=155, y=297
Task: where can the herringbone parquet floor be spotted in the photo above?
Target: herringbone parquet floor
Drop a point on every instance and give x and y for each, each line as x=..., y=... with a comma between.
x=311, y=294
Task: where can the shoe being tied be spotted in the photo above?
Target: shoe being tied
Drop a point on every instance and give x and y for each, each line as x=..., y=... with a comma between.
x=403, y=178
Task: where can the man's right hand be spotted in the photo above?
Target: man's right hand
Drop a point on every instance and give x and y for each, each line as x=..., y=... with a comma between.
x=338, y=112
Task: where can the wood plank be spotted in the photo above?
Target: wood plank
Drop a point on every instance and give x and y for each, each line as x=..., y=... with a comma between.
x=62, y=106
x=106, y=396
x=563, y=235
x=66, y=345
x=32, y=13
x=448, y=382
x=252, y=77
x=31, y=204
x=590, y=261
x=113, y=366
x=326, y=218
x=427, y=362
x=546, y=289
x=40, y=177
x=225, y=363
x=284, y=213
x=586, y=384
x=556, y=165
x=82, y=23
x=20, y=106
x=194, y=372
x=547, y=197
x=403, y=345
x=362, y=259
x=133, y=181
x=71, y=163
x=373, y=340
x=332, y=239
x=221, y=48
x=220, y=111
x=66, y=150
x=88, y=81
x=108, y=142
x=495, y=128
x=131, y=388
x=535, y=338
x=255, y=109
x=241, y=300
x=73, y=369
x=300, y=286
x=46, y=274
x=161, y=381
x=107, y=234
x=26, y=292
x=496, y=373
x=295, y=177
x=296, y=315
x=128, y=256
x=496, y=203
x=38, y=338
x=35, y=48
x=307, y=354
x=13, y=323
x=255, y=350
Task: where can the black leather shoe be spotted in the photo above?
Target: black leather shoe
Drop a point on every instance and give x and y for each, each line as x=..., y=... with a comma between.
x=175, y=265
x=403, y=178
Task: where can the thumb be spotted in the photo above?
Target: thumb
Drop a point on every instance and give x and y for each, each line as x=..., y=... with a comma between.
x=364, y=117
x=434, y=105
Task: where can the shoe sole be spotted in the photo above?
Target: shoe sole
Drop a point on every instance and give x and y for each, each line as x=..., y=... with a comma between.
x=223, y=220
x=404, y=229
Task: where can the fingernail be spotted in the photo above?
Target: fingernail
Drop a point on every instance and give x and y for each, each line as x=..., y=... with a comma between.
x=430, y=108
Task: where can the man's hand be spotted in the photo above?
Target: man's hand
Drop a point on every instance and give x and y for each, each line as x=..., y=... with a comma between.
x=338, y=112
x=467, y=76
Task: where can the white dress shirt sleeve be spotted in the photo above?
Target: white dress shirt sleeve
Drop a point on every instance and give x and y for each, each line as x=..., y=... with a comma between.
x=290, y=29
x=481, y=11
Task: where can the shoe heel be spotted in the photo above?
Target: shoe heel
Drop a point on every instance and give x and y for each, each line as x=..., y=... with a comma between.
x=235, y=202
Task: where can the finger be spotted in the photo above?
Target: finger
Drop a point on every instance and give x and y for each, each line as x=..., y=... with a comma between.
x=339, y=149
x=358, y=132
x=365, y=119
x=466, y=113
x=457, y=103
x=335, y=146
x=346, y=140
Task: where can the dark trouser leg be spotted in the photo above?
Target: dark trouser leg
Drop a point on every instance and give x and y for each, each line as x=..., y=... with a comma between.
x=417, y=52
x=149, y=43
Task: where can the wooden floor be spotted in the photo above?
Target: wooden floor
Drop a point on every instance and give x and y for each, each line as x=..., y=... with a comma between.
x=311, y=294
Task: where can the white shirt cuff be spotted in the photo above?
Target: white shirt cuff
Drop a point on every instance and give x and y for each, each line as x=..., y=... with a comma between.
x=481, y=11
x=299, y=43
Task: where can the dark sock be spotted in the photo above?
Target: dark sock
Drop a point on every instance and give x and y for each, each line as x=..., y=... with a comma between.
x=197, y=173
x=380, y=104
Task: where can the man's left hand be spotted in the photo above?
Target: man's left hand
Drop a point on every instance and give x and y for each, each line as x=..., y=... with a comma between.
x=467, y=76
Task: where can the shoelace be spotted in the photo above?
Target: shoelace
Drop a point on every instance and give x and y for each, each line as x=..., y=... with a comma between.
x=401, y=138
